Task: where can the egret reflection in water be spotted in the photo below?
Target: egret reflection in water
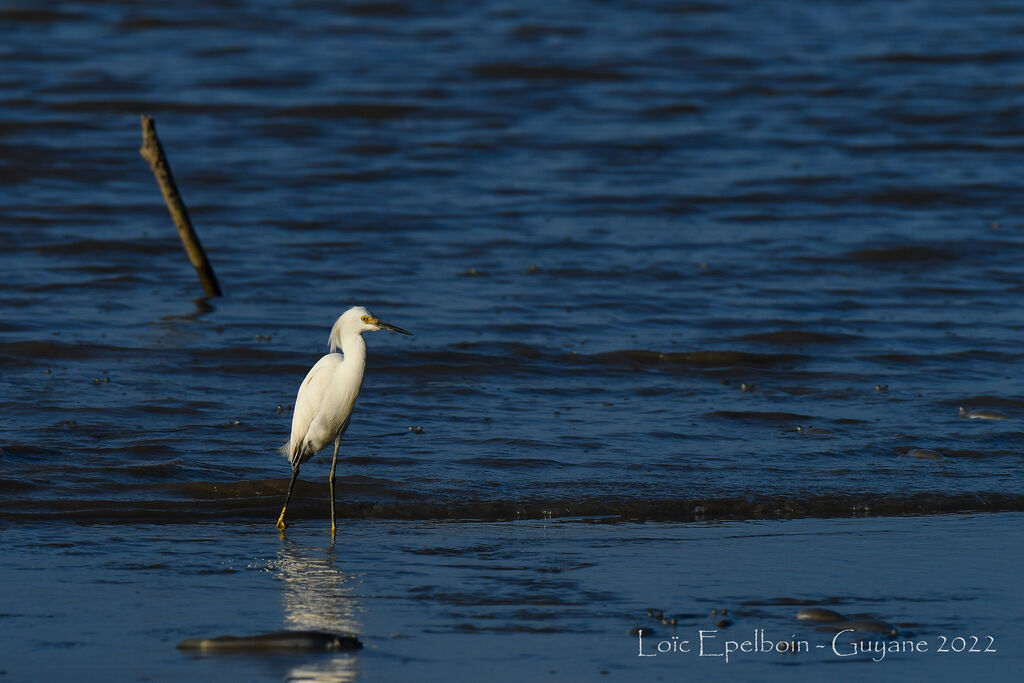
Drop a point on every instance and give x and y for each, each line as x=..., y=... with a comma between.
x=317, y=596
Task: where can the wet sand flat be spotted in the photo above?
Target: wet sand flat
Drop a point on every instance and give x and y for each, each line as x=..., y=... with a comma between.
x=547, y=600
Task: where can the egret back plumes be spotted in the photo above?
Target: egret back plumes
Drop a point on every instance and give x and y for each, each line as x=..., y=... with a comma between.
x=323, y=406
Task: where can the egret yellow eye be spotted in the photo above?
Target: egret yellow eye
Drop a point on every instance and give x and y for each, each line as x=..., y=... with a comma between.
x=365, y=318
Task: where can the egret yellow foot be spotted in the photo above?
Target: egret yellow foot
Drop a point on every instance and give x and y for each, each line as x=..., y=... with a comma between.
x=280, y=520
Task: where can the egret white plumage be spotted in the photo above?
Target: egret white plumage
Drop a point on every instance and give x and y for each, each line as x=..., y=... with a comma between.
x=323, y=406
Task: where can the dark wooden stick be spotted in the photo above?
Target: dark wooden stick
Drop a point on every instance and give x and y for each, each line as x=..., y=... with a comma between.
x=153, y=152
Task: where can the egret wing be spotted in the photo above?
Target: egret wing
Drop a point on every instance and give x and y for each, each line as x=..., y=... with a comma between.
x=308, y=404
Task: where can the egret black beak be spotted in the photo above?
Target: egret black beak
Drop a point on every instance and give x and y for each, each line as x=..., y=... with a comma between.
x=381, y=325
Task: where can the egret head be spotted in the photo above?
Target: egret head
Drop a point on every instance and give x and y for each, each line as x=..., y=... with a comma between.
x=357, y=320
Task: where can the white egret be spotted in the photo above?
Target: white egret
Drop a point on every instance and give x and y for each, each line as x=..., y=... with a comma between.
x=323, y=406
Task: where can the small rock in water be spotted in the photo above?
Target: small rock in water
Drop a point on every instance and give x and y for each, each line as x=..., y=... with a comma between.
x=925, y=454
x=819, y=614
x=642, y=631
x=862, y=625
x=279, y=641
x=982, y=414
x=812, y=430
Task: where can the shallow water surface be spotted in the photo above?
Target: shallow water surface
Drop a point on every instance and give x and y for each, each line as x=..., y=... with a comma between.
x=659, y=260
x=549, y=600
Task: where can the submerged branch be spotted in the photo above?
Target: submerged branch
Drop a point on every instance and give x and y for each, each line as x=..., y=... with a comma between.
x=153, y=152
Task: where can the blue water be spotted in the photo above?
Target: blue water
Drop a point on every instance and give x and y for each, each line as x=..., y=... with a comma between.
x=678, y=262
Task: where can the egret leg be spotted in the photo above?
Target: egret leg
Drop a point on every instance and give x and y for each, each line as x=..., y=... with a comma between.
x=334, y=463
x=280, y=520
